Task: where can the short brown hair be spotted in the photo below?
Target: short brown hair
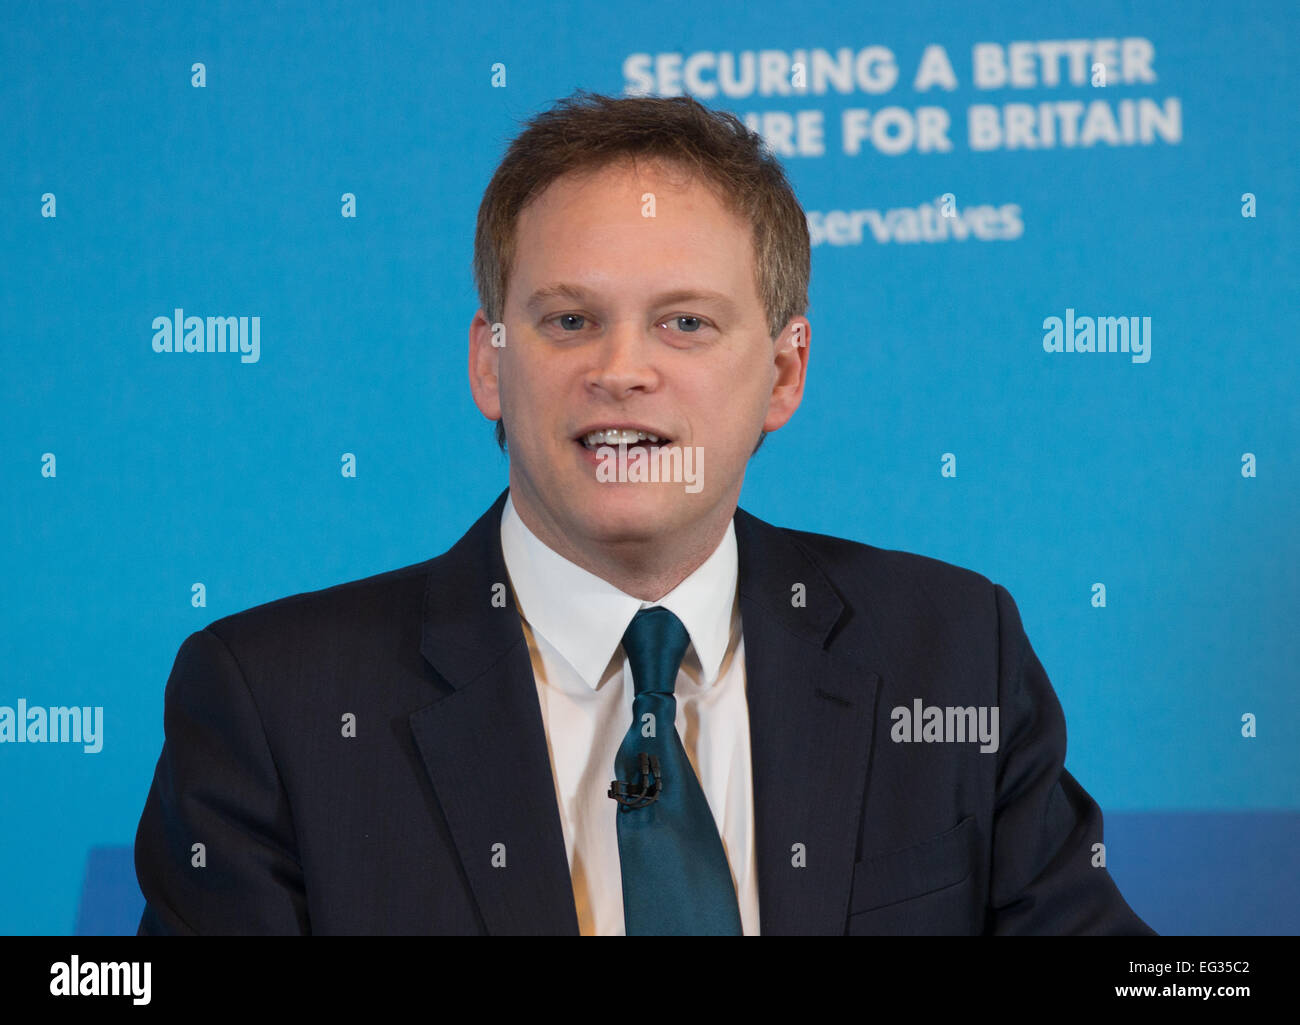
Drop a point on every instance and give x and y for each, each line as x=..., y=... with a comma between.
x=588, y=131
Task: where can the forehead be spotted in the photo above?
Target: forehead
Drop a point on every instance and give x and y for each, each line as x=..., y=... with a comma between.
x=628, y=176
x=635, y=220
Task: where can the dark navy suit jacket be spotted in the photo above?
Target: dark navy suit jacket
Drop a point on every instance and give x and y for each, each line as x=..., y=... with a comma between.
x=397, y=829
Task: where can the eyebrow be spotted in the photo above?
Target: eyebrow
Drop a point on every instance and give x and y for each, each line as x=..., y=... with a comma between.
x=578, y=294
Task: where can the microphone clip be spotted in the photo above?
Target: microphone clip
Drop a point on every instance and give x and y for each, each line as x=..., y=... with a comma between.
x=644, y=791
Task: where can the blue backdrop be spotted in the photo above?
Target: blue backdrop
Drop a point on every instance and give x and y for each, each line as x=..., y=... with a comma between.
x=961, y=190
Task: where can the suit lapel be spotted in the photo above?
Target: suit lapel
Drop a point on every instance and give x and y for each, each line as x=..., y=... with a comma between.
x=484, y=743
x=810, y=694
x=811, y=698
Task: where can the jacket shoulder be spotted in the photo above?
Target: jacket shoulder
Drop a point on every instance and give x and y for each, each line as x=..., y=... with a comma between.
x=868, y=572
x=374, y=605
x=905, y=602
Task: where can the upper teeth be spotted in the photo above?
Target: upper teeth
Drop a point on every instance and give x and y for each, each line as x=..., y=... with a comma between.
x=617, y=436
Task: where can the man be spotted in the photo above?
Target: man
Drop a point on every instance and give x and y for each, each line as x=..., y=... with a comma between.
x=621, y=706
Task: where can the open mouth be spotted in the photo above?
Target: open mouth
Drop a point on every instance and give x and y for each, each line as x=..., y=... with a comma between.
x=621, y=436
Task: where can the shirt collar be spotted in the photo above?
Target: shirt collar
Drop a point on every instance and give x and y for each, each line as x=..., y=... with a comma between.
x=584, y=617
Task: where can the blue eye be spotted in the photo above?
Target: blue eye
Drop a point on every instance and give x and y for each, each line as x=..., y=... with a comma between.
x=571, y=322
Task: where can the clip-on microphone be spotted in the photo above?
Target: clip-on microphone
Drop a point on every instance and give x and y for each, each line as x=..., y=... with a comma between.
x=643, y=792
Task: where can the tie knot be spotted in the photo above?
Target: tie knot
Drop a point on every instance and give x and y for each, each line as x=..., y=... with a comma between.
x=655, y=642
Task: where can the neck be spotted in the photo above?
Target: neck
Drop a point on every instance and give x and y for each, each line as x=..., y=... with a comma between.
x=644, y=568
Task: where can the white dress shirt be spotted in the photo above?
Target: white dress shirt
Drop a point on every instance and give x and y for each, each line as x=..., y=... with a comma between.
x=574, y=622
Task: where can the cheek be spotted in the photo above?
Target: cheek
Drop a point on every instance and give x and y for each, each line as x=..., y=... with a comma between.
x=521, y=379
x=748, y=386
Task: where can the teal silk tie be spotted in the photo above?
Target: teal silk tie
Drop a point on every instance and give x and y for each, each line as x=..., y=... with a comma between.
x=676, y=881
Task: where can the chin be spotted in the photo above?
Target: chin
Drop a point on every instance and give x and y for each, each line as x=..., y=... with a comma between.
x=633, y=510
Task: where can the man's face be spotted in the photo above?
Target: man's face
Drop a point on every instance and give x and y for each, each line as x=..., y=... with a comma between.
x=615, y=318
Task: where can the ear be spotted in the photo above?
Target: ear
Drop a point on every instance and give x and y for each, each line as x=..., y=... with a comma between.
x=484, y=364
x=790, y=363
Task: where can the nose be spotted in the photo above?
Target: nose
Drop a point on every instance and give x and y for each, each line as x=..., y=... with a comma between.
x=623, y=362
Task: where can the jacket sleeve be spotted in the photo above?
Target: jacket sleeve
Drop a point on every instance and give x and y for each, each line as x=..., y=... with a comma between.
x=216, y=784
x=1044, y=823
